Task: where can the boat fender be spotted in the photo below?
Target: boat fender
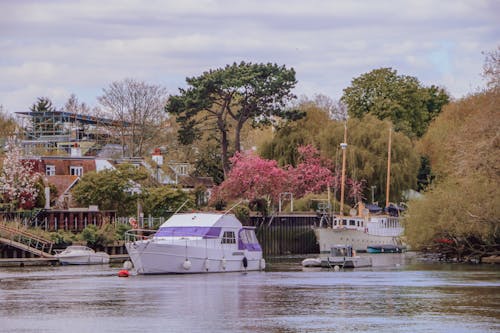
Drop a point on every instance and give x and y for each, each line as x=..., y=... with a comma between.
x=123, y=273
x=207, y=264
x=223, y=263
x=127, y=264
x=262, y=264
x=186, y=264
x=245, y=262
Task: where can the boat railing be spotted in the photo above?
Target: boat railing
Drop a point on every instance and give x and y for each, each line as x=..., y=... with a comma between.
x=134, y=235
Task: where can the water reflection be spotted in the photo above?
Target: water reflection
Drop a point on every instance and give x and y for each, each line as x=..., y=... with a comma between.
x=396, y=295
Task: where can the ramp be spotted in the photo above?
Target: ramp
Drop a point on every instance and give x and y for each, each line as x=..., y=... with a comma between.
x=25, y=241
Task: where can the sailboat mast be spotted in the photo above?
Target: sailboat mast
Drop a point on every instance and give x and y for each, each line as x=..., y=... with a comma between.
x=387, y=188
x=343, y=145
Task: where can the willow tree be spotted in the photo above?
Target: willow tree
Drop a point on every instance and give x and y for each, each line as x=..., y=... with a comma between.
x=225, y=99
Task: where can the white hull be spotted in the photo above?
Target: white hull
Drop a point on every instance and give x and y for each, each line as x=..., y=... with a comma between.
x=86, y=259
x=150, y=257
x=346, y=262
x=359, y=239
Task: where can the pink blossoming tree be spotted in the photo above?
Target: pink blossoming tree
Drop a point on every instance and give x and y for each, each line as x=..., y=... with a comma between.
x=18, y=179
x=252, y=177
x=312, y=175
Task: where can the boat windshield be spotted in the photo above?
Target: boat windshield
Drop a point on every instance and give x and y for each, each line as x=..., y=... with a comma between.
x=205, y=232
x=248, y=240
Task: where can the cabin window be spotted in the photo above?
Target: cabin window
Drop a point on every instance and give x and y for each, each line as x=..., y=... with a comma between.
x=228, y=237
x=76, y=171
x=50, y=170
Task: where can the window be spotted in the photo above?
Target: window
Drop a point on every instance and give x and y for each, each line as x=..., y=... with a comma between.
x=352, y=222
x=228, y=237
x=182, y=170
x=50, y=170
x=76, y=171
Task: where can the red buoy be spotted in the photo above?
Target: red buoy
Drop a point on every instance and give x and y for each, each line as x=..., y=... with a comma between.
x=123, y=273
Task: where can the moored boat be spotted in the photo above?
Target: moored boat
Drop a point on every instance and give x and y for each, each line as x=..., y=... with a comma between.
x=81, y=255
x=385, y=248
x=363, y=227
x=342, y=256
x=197, y=243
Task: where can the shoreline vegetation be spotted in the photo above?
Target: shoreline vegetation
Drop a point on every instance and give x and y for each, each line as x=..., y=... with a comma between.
x=242, y=127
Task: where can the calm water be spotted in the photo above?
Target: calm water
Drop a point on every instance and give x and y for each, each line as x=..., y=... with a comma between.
x=396, y=295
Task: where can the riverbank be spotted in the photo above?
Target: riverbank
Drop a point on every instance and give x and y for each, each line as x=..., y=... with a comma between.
x=22, y=262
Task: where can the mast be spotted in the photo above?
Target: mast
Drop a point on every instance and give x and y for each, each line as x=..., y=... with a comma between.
x=343, y=145
x=388, y=170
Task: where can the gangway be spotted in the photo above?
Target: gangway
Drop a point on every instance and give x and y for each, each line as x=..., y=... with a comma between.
x=25, y=241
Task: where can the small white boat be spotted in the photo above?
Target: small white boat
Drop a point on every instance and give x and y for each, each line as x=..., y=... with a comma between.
x=341, y=256
x=81, y=255
x=197, y=243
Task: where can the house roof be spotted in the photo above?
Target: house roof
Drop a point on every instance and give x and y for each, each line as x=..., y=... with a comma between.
x=63, y=183
x=192, y=182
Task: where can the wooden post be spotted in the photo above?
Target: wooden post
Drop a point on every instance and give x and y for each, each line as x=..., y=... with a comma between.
x=388, y=170
x=343, y=145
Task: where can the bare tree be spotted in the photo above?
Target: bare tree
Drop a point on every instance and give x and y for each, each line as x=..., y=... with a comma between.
x=73, y=105
x=137, y=107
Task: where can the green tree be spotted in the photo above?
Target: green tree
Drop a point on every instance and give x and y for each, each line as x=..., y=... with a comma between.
x=110, y=189
x=461, y=205
x=162, y=201
x=400, y=98
x=227, y=98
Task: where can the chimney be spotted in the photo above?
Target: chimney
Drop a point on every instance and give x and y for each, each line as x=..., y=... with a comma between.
x=76, y=151
x=157, y=156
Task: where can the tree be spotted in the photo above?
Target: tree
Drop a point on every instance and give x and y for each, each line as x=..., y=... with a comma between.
x=111, y=189
x=161, y=201
x=400, y=98
x=8, y=125
x=228, y=98
x=43, y=104
x=491, y=69
x=289, y=136
x=73, y=105
x=252, y=177
x=18, y=178
x=367, y=140
x=313, y=174
x=459, y=212
x=138, y=109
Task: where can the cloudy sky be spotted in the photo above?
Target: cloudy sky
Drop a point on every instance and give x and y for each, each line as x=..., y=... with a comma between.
x=55, y=48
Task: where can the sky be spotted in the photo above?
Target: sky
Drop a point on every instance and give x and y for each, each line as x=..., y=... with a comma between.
x=57, y=48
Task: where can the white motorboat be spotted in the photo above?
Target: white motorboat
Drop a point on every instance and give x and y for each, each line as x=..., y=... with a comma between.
x=341, y=256
x=196, y=243
x=81, y=255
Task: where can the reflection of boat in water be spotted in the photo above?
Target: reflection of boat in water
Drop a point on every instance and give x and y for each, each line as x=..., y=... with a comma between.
x=366, y=226
x=197, y=243
x=342, y=256
x=385, y=248
x=81, y=255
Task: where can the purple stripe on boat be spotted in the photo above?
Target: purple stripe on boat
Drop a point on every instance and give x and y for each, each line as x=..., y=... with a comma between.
x=206, y=232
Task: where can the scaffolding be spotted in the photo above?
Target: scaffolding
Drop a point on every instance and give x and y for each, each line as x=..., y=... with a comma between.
x=58, y=131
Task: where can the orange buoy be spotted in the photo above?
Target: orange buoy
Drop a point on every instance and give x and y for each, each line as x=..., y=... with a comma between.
x=123, y=273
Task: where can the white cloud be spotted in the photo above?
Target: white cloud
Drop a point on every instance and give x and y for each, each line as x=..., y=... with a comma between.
x=54, y=48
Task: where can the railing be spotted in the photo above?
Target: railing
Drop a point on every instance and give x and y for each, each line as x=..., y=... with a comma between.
x=25, y=238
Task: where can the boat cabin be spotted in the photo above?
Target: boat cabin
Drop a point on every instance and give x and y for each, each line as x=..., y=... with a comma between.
x=341, y=251
x=224, y=229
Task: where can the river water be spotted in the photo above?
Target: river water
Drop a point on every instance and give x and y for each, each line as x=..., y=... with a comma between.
x=399, y=294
